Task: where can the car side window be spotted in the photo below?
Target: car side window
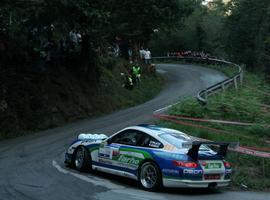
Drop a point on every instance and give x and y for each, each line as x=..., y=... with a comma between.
x=128, y=137
x=150, y=142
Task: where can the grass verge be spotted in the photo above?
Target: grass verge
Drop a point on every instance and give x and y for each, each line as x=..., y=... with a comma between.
x=250, y=103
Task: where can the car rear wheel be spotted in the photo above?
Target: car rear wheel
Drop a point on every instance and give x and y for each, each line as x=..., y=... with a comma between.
x=82, y=159
x=150, y=176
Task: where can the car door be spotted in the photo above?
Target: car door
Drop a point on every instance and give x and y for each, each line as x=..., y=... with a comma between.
x=133, y=147
x=120, y=150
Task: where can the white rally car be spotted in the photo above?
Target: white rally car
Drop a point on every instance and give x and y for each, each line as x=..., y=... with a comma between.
x=153, y=156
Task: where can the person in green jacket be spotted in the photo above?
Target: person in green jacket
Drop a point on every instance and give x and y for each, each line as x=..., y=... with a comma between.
x=136, y=74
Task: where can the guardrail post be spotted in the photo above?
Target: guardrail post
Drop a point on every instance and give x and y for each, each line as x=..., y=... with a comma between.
x=235, y=82
x=241, y=77
x=205, y=95
x=223, y=87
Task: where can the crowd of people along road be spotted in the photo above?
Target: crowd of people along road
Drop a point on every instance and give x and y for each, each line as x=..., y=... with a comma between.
x=182, y=54
x=133, y=76
x=49, y=47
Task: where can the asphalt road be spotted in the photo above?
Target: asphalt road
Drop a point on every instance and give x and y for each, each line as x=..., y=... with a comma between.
x=31, y=167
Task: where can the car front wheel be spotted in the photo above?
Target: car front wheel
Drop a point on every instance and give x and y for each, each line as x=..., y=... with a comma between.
x=82, y=159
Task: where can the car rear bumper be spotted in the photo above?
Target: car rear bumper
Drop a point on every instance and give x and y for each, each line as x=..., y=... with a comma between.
x=177, y=183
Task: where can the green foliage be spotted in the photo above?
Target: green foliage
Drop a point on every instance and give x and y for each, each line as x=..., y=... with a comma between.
x=26, y=26
x=238, y=31
x=201, y=29
x=250, y=171
x=78, y=77
x=136, y=20
x=51, y=101
x=248, y=30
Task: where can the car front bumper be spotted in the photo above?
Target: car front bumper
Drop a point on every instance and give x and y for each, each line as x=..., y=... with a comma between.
x=177, y=183
x=68, y=158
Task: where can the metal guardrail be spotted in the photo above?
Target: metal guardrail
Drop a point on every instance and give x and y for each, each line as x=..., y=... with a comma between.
x=203, y=94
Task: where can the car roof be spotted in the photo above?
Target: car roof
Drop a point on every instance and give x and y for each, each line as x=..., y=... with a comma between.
x=155, y=131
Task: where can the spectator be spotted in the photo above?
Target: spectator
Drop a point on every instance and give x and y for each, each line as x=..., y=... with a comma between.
x=116, y=50
x=128, y=83
x=142, y=54
x=72, y=36
x=130, y=53
x=79, y=37
x=136, y=73
x=178, y=54
x=147, y=57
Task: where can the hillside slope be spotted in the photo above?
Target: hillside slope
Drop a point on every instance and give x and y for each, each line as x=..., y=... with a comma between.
x=48, y=98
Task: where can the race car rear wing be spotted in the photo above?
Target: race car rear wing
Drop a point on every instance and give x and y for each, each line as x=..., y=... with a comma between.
x=193, y=152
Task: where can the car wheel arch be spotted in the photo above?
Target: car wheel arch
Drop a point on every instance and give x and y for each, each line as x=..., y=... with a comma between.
x=75, y=151
x=148, y=160
x=159, y=171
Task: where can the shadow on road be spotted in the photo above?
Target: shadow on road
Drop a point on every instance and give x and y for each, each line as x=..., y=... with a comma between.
x=132, y=184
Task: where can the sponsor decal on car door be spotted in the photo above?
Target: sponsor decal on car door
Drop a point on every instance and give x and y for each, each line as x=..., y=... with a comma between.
x=116, y=155
x=106, y=153
x=127, y=158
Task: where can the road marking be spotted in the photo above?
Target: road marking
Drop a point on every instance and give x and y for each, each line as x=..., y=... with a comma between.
x=117, y=189
x=165, y=108
x=162, y=109
x=91, y=179
x=133, y=194
x=161, y=71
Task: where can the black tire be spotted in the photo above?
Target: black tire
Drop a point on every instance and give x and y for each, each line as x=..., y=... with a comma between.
x=82, y=159
x=149, y=176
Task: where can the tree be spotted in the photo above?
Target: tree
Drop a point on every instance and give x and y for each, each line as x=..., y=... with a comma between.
x=28, y=25
x=248, y=27
x=180, y=34
x=136, y=21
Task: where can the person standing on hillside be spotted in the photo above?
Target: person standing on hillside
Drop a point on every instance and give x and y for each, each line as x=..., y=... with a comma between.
x=129, y=82
x=147, y=57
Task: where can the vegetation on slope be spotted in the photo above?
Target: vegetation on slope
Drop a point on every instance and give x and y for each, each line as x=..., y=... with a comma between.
x=43, y=100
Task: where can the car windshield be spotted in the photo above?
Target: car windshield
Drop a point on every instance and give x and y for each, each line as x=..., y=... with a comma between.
x=176, y=139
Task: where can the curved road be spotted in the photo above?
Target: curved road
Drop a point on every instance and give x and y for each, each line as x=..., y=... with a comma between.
x=31, y=167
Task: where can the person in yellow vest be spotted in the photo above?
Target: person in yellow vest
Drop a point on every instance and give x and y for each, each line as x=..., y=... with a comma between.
x=136, y=74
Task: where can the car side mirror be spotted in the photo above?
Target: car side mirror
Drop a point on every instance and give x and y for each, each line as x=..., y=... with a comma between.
x=109, y=141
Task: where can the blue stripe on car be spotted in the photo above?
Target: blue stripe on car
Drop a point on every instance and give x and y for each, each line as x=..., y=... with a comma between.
x=115, y=167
